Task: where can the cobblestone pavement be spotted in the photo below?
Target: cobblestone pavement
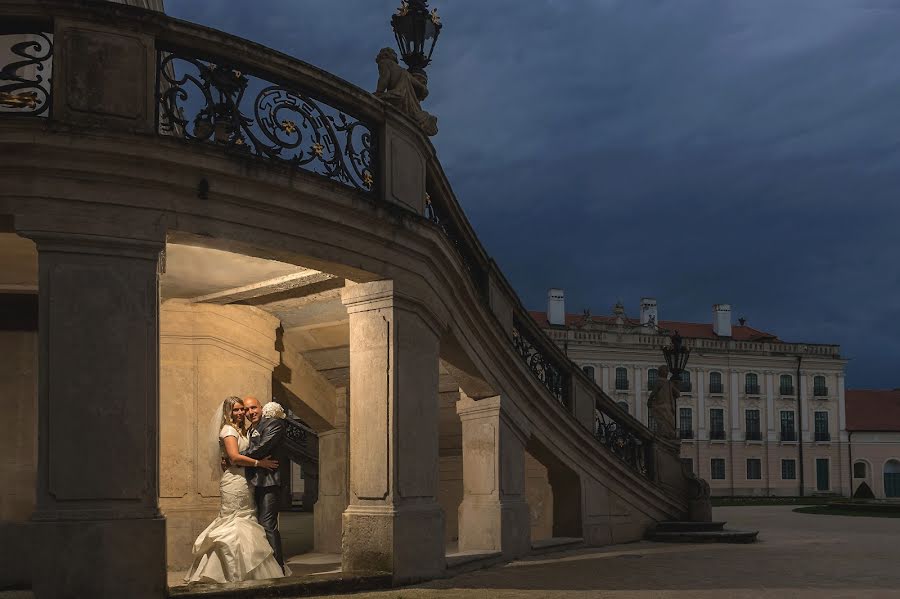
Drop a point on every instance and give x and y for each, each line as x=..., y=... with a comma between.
x=798, y=555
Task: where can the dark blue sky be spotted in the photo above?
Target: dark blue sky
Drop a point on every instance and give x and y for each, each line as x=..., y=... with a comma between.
x=696, y=151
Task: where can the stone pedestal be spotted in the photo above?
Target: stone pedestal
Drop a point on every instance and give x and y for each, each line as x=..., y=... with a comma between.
x=393, y=522
x=207, y=353
x=333, y=479
x=493, y=515
x=97, y=523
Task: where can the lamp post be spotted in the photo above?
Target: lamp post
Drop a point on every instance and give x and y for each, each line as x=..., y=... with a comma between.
x=417, y=31
x=676, y=356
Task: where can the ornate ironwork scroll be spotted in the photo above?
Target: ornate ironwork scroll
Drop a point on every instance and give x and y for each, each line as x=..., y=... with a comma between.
x=622, y=442
x=201, y=100
x=301, y=443
x=25, y=80
x=544, y=369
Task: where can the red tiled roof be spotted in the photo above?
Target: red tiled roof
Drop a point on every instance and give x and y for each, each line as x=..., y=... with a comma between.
x=873, y=410
x=691, y=330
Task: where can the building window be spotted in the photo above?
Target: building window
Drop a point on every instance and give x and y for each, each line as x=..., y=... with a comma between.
x=788, y=469
x=715, y=382
x=716, y=423
x=685, y=385
x=651, y=423
x=819, y=388
x=822, y=427
x=751, y=384
x=859, y=470
x=624, y=405
x=652, y=375
x=754, y=469
x=788, y=432
x=717, y=469
x=688, y=464
x=822, y=474
x=685, y=423
x=589, y=371
x=621, y=379
x=786, y=385
x=751, y=420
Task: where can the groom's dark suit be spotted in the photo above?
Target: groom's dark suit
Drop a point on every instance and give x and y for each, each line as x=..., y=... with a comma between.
x=266, y=439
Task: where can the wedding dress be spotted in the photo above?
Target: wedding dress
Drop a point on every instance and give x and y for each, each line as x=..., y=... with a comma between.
x=234, y=546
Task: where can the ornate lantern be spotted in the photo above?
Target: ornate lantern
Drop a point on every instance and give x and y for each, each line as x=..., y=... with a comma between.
x=676, y=356
x=414, y=27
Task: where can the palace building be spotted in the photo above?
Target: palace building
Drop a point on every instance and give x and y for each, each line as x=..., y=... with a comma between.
x=756, y=416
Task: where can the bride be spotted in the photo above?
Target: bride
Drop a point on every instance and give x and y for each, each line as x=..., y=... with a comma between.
x=234, y=546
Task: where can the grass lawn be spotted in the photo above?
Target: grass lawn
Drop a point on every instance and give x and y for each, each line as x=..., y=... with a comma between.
x=738, y=501
x=830, y=511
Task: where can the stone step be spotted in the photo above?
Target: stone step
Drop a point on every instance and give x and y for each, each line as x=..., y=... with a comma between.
x=710, y=536
x=556, y=544
x=676, y=526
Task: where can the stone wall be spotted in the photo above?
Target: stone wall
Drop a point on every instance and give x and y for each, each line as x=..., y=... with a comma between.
x=207, y=353
x=18, y=402
x=539, y=496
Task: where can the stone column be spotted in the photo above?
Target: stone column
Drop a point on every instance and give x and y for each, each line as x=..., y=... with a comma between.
x=605, y=384
x=804, y=415
x=97, y=520
x=639, y=396
x=772, y=434
x=494, y=514
x=393, y=523
x=333, y=479
x=702, y=430
x=734, y=403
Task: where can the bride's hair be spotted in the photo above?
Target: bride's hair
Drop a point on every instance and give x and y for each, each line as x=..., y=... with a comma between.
x=227, y=406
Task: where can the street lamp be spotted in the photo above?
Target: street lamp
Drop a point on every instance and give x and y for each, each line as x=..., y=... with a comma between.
x=676, y=356
x=414, y=26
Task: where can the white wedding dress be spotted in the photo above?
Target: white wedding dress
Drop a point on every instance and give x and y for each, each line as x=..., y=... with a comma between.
x=234, y=546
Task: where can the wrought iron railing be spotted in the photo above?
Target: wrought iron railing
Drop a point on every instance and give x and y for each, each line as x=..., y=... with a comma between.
x=441, y=218
x=551, y=373
x=753, y=436
x=822, y=436
x=622, y=440
x=786, y=391
x=820, y=391
x=301, y=442
x=716, y=388
x=717, y=434
x=751, y=389
x=788, y=436
x=685, y=433
x=204, y=99
x=26, y=76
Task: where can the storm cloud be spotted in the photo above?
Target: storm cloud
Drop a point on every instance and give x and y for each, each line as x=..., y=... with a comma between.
x=696, y=151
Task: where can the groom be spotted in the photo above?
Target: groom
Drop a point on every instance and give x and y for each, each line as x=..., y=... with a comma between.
x=266, y=440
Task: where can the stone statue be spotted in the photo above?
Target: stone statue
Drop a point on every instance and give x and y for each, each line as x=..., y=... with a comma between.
x=403, y=90
x=662, y=403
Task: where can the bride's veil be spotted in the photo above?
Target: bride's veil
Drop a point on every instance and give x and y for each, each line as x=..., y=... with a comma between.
x=210, y=442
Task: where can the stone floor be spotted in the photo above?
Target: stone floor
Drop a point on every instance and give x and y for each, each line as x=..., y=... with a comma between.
x=799, y=555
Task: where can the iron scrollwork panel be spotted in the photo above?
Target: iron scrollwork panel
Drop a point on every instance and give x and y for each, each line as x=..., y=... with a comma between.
x=622, y=442
x=204, y=101
x=450, y=230
x=548, y=373
x=25, y=79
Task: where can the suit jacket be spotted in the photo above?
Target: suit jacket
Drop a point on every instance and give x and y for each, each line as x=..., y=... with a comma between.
x=266, y=439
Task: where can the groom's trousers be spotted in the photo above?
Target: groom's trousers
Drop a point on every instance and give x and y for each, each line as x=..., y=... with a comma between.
x=267, y=514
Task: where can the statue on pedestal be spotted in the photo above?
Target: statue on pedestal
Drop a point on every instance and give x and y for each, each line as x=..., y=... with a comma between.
x=403, y=90
x=662, y=404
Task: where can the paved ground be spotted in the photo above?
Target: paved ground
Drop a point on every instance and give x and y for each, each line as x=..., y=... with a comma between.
x=799, y=555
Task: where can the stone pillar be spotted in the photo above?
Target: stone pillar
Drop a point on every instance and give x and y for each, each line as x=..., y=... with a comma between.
x=493, y=515
x=734, y=407
x=393, y=523
x=97, y=519
x=804, y=415
x=638, y=395
x=605, y=384
x=702, y=429
x=333, y=479
x=207, y=353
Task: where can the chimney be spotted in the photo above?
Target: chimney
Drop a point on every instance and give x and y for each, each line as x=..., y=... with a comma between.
x=722, y=320
x=556, y=307
x=648, y=311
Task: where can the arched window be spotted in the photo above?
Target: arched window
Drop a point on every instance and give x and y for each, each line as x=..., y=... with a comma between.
x=786, y=385
x=715, y=382
x=621, y=378
x=652, y=375
x=859, y=470
x=623, y=405
x=589, y=370
x=751, y=384
x=685, y=385
x=892, y=478
x=819, y=388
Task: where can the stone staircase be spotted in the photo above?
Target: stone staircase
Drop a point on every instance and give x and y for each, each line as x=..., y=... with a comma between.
x=699, y=532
